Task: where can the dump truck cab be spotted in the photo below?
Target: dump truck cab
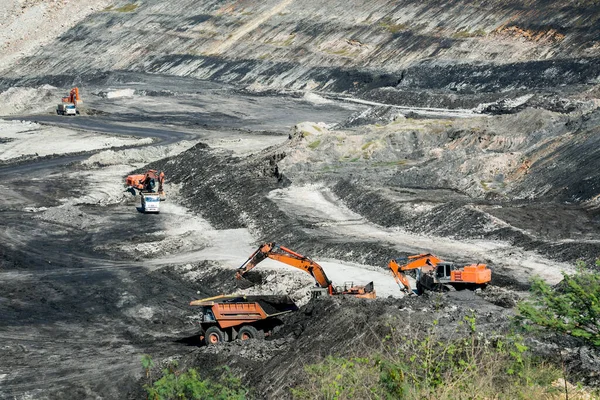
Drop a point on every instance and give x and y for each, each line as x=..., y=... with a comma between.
x=150, y=202
x=66, y=109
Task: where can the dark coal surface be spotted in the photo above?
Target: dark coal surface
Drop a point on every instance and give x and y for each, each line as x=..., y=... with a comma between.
x=549, y=222
x=74, y=319
x=571, y=170
x=84, y=317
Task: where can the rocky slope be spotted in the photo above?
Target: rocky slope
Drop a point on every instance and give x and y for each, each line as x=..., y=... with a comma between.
x=451, y=48
x=28, y=24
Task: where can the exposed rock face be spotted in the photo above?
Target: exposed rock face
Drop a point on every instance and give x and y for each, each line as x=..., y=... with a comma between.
x=454, y=47
x=28, y=24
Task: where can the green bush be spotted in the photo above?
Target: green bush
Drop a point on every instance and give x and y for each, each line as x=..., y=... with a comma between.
x=572, y=308
x=176, y=384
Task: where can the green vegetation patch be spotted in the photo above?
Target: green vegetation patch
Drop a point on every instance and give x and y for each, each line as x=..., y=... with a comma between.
x=290, y=40
x=315, y=144
x=433, y=367
x=391, y=27
x=176, y=384
x=283, y=43
x=367, y=145
x=124, y=9
x=389, y=163
x=572, y=308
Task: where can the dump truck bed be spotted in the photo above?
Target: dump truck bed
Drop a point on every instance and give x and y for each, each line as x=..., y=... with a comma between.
x=235, y=310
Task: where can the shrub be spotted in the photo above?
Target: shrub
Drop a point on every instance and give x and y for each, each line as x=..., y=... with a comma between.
x=176, y=384
x=124, y=9
x=572, y=308
x=315, y=144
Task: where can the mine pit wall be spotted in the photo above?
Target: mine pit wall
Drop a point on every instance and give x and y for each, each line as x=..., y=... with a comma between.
x=232, y=193
x=458, y=220
x=454, y=47
x=536, y=208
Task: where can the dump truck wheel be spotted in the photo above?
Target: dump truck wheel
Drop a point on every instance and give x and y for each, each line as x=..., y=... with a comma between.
x=214, y=335
x=250, y=332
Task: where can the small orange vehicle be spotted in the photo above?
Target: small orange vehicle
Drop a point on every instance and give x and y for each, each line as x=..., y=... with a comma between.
x=226, y=318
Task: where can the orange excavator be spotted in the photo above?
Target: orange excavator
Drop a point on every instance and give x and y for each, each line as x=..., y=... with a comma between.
x=437, y=275
x=289, y=257
x=147, y=182
x=73, y=97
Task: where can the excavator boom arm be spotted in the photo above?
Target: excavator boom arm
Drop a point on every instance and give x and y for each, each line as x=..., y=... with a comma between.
x=400, y=278
x=289, y=257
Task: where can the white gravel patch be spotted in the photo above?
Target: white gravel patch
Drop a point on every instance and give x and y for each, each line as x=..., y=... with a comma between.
x=23, y=138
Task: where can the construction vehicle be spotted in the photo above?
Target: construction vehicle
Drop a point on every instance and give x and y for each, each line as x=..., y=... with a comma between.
x=226, y=318
x=289, y=257
x=66, y=109
x=147, y=182
x=437, y=275
x=150, y=188
x=69, y=103
x=150, y=202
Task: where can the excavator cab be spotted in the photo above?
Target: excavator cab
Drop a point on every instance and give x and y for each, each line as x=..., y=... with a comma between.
x=444, y=271
x=150, y=185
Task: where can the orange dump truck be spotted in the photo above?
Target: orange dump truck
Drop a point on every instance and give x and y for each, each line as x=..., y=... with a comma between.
x=226, y=318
